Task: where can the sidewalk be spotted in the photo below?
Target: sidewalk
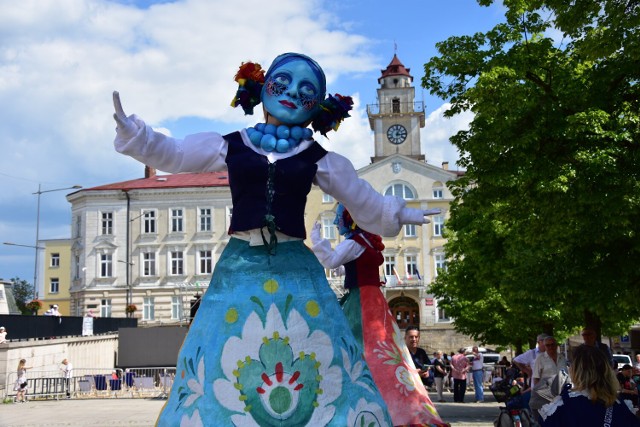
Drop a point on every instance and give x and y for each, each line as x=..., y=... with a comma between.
x=143, y=412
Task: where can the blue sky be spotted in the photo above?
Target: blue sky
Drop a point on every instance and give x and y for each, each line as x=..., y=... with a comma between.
x=173, y=63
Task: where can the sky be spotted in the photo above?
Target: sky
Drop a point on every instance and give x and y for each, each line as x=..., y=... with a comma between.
x=173, y=63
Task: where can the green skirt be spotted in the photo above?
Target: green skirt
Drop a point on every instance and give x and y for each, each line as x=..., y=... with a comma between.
x=270, y=346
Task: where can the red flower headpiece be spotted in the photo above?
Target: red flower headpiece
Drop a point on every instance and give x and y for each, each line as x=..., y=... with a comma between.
x=250, y=78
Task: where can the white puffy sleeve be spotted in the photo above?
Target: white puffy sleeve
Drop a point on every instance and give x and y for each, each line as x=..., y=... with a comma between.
x=378, y=214
x=345, y=251
x=201, y=152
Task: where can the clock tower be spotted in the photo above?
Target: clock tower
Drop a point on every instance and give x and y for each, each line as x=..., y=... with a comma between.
x=397, y=118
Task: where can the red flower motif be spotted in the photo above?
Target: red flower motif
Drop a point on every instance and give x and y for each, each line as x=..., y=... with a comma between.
x=250, y=71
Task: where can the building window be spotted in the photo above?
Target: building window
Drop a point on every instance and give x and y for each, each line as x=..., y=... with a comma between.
x=55, y=260
x=176, y=308
x=441, y=264
x=78, y=226
x=148, y=308
x=106, y=265
x=389, y=265
x=442, y=315
x=206, y=262
x=148, y=263
x=107, y=223
x=204, y=219
x=105, y=308
x=437, y=193
x=149, y=223
x=176, y=220
x=400, y=190
x=328, y=229
x=410, y=230
x=54, y=286
x=78, y=268
x=438, y=225
x=411, y=264
x=327, y=198
x=176, y=263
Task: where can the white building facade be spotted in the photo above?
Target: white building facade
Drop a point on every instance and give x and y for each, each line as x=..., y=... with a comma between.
x=151, y=243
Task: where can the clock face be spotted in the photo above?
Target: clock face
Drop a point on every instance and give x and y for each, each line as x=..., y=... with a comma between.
x=396, y=134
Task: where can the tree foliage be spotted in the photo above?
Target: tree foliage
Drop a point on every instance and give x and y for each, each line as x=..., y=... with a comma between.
x=543, y=232
x=23, y=293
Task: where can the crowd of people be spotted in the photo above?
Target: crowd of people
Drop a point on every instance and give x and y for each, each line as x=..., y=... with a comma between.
x=579, y=388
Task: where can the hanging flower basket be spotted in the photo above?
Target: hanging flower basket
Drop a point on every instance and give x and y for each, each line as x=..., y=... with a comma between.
x=131, y=308
x=34, y=305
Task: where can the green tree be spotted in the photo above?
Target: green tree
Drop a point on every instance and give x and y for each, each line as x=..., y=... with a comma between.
x=543, y=233
x=23, y=293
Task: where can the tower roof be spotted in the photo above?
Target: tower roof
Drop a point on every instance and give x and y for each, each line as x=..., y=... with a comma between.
x=396, y=68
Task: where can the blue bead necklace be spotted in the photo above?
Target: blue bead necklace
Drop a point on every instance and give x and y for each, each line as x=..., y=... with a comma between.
x=281, y=138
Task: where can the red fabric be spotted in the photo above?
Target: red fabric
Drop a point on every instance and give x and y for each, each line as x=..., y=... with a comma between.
x=384, y=348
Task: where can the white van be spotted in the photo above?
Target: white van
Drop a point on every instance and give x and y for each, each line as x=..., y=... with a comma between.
x=622, y=359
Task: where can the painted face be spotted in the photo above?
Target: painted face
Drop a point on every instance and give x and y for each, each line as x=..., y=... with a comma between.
x=291, y=93
x=339, y=222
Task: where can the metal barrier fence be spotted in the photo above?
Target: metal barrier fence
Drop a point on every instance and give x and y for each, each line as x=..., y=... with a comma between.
x=95, y=383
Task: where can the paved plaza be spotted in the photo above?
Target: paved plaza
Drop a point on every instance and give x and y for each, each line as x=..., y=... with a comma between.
x=143, y=412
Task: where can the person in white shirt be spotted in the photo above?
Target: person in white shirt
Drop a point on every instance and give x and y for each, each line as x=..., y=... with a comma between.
x=526, y=360
x=3, y=335
x=67, y=374
x=477, y=371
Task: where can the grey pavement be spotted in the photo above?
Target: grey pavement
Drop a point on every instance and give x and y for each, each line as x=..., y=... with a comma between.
x=143, y=412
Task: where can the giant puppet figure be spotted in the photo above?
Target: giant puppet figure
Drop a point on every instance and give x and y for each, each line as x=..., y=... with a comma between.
x=269, y=345
x=372, y=323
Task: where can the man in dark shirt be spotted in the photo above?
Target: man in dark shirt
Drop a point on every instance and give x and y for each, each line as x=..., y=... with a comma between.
x=419, y=356
x=589, y=337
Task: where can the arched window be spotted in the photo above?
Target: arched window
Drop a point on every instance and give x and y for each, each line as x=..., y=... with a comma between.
x=400, y=190
x=438, y=190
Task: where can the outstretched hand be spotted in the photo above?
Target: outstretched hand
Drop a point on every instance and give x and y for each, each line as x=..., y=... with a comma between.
x=427, y=212
x=315, y=233
x=126, y=128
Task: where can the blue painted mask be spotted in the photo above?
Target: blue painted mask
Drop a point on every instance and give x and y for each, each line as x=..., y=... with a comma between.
x=293, y=89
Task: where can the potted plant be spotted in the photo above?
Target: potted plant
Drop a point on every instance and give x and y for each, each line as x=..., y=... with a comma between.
x=130, y=309
x=34, y=306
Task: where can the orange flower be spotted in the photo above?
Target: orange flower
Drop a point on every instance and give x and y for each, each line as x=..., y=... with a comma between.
x=250, y=71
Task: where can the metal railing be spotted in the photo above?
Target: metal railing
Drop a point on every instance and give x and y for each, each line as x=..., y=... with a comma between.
x=101, y=383
x=397, y=108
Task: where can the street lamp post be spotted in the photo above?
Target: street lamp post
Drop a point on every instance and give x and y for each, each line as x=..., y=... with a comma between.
x=35, y=268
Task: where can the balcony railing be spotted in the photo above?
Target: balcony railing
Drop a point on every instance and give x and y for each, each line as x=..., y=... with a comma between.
x=396, y=108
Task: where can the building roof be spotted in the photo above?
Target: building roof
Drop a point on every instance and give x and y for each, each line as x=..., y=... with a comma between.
x=179, y=180
x=396, y=68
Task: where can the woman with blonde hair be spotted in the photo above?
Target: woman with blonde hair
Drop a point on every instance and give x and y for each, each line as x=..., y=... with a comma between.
x=592, y=399
x=21, y=382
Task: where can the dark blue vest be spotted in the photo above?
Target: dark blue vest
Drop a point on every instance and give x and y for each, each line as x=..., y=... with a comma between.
x=291, y=180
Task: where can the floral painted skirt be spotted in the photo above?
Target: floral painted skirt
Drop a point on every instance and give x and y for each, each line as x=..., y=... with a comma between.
x=270, y=346
x=388, y=358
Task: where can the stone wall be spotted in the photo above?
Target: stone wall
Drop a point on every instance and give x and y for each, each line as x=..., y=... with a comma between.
x=44, y=357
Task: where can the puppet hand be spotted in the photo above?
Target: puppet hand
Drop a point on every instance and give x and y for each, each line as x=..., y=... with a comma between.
x=315, y=234
x=126, y=127
x=428, y=212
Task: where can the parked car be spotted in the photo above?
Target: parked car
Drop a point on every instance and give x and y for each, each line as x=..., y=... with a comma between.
x=622, y=359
